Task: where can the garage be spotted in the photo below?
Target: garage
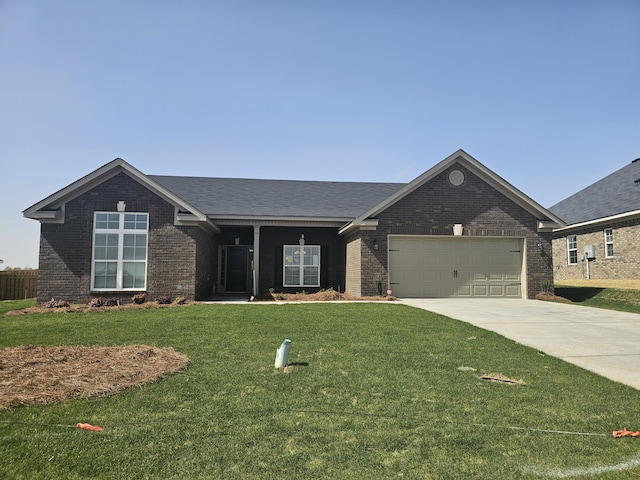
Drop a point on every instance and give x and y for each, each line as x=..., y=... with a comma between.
x=427, y=266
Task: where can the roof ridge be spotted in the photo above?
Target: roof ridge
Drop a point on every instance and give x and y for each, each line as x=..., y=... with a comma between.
x=342, y=182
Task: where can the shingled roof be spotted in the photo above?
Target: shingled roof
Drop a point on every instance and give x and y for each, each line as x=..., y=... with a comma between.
x=242, y=197
x=615, y=194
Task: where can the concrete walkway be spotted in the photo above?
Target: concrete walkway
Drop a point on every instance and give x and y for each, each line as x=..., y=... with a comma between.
x=602, y=341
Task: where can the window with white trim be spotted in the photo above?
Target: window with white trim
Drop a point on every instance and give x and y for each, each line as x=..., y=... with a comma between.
x=572, y=249
x=301, y=266
x=608, y=242
x=119, y=259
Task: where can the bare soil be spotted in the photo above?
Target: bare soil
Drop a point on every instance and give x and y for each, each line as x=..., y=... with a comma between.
x=33, y=375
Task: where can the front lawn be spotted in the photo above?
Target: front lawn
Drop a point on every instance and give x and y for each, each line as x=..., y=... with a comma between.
x=373, y=391
x=625, y=300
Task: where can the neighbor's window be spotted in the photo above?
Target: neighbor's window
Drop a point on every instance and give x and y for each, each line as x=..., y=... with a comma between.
x=301, y=266
x=572, y=248
x=119, y=251
x=608, y=242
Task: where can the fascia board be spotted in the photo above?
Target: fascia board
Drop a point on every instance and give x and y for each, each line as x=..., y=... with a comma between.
x=101, y=175
x=407, y=189
x=511, y=192
x=366, y=224
x=189, y=219
x=473, y=165
x=265, y=218
x=547, y=226
x=599, y=221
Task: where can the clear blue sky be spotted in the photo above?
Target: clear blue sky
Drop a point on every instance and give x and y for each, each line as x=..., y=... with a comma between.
x=544, y=93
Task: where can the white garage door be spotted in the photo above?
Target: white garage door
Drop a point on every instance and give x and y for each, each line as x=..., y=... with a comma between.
x=455, y=266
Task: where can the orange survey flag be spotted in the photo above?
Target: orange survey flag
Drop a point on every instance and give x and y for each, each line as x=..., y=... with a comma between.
x=88, y=426
x=625, y=433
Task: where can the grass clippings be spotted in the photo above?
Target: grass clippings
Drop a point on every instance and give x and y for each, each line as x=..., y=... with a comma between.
x=33, y=375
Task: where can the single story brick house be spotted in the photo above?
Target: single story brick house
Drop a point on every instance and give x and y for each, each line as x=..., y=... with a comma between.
x=601, y=237
x=457, y=230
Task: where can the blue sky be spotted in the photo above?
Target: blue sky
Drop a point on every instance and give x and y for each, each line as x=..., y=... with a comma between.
x=544, y=93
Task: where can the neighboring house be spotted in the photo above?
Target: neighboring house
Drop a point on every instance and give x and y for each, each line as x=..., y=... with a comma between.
x=458, y=230
x=602, y=235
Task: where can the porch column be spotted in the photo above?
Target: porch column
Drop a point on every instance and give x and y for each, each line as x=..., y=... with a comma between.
x=256, y=259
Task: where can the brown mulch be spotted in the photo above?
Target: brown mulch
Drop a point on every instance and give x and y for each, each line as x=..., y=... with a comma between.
x=33, y=375
x=77, y=307
x=323, y=296
x=550, y=297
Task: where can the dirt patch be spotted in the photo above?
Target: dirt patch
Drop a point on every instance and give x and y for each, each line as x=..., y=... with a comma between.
x=33, y=375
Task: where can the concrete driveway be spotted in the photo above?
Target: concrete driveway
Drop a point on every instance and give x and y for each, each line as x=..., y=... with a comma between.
x=603, y=341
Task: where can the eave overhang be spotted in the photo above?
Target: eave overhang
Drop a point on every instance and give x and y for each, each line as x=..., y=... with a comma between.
x=365, y=224
x=632, y=215
x=546, y=219
x=278, y=221
x=51, y=209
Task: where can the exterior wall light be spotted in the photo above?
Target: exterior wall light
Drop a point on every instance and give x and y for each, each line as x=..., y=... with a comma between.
x=375, y=244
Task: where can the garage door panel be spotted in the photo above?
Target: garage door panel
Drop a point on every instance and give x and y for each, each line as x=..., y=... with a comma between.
x=455, y=267
x=496, y=291
x=513, y=291
x=479, y=290
x=480, y=276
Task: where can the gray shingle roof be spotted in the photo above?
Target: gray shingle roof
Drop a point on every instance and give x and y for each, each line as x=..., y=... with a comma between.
x=614, y=194
x=277, y=198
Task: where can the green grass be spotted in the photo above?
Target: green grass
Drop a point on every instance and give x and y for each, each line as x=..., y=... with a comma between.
x=610, y=298
x=8, y=305
x=375, y=392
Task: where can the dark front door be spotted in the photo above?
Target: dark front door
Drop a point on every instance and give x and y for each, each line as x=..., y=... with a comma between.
x=237, y=269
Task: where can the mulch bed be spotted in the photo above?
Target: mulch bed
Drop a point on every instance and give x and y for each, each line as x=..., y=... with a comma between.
x=322, y=296
x=33, y=375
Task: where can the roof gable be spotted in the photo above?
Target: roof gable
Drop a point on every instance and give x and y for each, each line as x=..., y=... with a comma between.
x=547, y=219
x=51, y=209
x=615, y=194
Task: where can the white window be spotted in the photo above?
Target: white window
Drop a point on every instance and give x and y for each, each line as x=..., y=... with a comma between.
x=119, y=251
x=301, y=266
x=572, y=248
x=608, y=242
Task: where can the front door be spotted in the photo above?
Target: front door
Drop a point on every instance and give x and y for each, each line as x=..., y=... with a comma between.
x=237, y=271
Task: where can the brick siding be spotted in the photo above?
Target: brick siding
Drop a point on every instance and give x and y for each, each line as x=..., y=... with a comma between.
x=433, y=208
x=624, y=265
x=179, y=262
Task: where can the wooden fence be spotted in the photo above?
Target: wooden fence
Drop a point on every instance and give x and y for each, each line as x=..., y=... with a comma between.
x=18, y=284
